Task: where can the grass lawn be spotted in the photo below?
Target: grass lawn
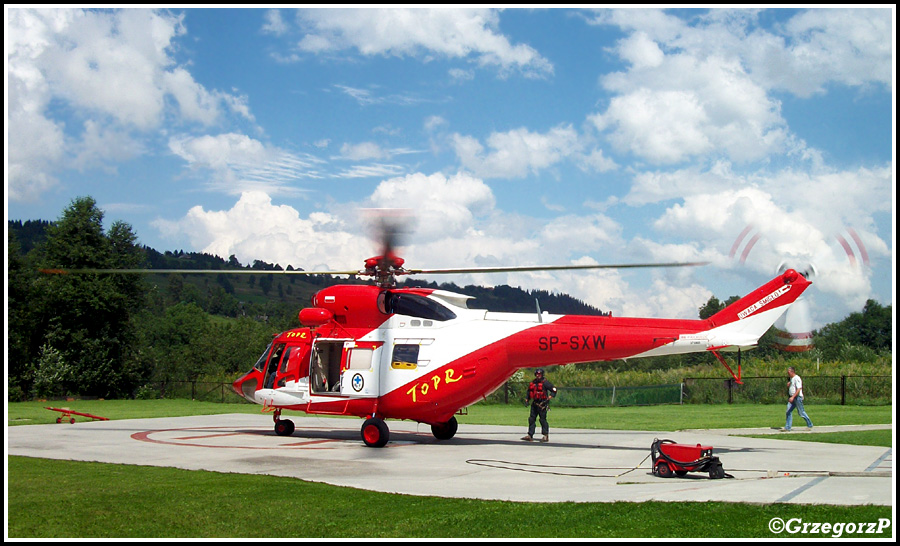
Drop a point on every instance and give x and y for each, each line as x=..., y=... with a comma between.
x=75, y=499
x=883, y=438
x=49, y=498
x=33, y=413
x=675, y=417
x=668, y=418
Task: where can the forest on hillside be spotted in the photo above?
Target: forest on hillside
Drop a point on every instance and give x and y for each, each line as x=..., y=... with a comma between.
x=112, y=335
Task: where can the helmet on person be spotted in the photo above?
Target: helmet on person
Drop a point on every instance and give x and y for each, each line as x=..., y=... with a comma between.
x=539, y=373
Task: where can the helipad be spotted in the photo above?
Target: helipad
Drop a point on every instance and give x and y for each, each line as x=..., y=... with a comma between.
x=485, y=462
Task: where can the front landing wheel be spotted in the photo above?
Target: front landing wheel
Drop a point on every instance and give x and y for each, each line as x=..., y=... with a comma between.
x=375, y=432
x=284, y=427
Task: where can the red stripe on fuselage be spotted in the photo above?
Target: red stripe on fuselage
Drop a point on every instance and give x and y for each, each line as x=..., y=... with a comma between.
x=435, y=396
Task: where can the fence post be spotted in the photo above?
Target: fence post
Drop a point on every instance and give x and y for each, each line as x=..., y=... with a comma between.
x=843, y=390
x=730, y=390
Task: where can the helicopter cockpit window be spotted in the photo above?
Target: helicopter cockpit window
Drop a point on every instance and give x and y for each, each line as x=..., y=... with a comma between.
x=413, y=306
x=261, y=363
x=273, y=365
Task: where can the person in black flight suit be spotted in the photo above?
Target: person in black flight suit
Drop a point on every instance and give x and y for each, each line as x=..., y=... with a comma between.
x=540, y=391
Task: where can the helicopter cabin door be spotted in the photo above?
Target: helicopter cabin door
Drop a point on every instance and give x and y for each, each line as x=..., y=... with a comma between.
x=341, y=367
x=360, y=376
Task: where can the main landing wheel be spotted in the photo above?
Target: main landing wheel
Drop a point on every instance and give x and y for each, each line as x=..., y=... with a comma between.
x=375, y=432
x=284, y=427
x=445, y=431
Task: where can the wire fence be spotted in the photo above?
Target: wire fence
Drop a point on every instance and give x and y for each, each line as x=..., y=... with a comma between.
x=870, y=390
x=514, y=392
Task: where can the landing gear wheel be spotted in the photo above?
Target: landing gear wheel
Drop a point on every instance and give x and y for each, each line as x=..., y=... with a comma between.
x=375, y=432
x=445, y=431
x=663, y=470
x=284, y=427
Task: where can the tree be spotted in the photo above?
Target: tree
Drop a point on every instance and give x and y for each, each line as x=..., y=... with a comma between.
x=713, y=306
x=23, y=340
x=872, y=328
x=85, y=319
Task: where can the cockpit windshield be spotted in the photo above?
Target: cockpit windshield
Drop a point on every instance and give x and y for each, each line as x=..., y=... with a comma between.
x=413, y=306
x=261, y=363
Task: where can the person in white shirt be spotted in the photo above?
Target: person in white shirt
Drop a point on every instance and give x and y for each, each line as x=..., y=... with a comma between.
x=795, y=400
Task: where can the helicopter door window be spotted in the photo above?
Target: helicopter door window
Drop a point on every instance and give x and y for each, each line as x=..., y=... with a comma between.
x=360, y=359
x=284, y=361
x=283, y=369
x=405, y=357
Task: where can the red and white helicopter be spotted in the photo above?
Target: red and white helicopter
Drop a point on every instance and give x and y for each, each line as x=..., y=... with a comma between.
x=387, y=352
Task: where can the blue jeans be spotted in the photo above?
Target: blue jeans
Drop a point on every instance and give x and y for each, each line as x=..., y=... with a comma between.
x=797, y=403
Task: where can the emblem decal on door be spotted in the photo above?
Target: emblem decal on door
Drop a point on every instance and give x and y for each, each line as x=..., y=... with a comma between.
x=357, y=382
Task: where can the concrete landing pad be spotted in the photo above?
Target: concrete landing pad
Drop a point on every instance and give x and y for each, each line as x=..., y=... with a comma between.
x=484, y=462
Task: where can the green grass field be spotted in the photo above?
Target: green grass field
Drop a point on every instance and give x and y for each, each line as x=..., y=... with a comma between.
x=675, y=417
x=50, y=498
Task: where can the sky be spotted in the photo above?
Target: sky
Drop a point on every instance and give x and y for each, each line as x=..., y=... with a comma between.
x=746, y=138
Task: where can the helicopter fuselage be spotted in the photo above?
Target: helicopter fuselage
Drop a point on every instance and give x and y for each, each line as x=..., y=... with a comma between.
x=422, y=354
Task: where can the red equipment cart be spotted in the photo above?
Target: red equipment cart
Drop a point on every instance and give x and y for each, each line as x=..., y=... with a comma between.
x=671, y=459
x=67, y=415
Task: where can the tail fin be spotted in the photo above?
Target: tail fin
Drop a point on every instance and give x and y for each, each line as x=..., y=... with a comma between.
x=742, y=323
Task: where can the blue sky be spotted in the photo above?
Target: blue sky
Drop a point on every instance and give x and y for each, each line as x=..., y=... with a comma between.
x=513, y=137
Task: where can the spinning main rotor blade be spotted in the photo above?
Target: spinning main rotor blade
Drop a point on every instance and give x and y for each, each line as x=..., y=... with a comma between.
x=445, y=271
x=510, y=269
x=195, y=272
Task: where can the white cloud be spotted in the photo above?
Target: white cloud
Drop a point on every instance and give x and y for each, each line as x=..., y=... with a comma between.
x=114, y=68
x=256, y=229
x=848, y=46
x=639, y=50
x=238, y=163
x=274, y=23
x=813, y=48
x=449, y=33
x=516, y=153
x=701, y=88
x=367, y=97
x=362, y=150
x=790, y=217
x=684, y=108
x=444, y=206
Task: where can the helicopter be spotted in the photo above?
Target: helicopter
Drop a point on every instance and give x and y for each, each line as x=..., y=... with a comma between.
x=381, y=351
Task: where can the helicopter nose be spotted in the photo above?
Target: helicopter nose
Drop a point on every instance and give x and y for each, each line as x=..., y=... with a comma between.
x=246, y=386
